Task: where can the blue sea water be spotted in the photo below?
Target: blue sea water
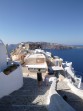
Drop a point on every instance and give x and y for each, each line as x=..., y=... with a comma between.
x=72, y=55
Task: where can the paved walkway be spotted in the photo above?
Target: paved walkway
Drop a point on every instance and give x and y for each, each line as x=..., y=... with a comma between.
x=28, y=98
x=72, y=99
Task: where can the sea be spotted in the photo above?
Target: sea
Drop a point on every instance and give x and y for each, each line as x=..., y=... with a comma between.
x=71, y=55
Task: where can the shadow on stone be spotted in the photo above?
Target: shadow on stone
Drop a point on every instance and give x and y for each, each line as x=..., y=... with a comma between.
x=75, y=101
x=23, y=99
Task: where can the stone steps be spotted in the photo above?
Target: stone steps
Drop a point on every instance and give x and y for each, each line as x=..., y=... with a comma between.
x=22, y=108
x=17, y=100
x=25, y=92
x=27, y=98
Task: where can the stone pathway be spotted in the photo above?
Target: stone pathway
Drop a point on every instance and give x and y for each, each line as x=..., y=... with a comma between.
x=72, y=99
x=28, y=98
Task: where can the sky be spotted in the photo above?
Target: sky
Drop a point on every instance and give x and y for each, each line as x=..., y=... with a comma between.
x=56, y=21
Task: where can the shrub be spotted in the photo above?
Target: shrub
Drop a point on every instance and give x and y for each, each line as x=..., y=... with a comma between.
x=9, y=69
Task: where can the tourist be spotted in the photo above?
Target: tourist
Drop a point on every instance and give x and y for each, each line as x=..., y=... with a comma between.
x=39, y=78
x=27, y=71
x=47, y=78
x=57, y=80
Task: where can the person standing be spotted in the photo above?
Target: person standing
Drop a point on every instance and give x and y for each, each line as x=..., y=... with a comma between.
x=27, y=71
x=39, y=78
x=47, y=78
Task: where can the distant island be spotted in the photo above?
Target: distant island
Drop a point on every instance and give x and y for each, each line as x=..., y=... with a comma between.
x=44, y=45
x=47, y=45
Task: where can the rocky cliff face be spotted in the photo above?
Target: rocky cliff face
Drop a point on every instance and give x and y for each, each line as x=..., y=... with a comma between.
x=46, y=45
x=42, y=45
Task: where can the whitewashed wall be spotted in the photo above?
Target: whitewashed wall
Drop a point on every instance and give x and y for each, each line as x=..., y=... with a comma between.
x=11, y=82
x=55, y=101
x=75, y=90
x=3, y=56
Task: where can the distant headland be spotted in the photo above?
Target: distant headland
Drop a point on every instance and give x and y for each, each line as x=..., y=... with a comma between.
x=44, y=45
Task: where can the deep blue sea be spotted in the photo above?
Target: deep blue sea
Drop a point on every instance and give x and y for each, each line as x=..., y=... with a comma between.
x=73, y=55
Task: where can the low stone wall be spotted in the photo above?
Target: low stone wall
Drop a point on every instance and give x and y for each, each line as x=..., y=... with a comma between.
x=11, y=82
x=75, y=90
x=55, y=102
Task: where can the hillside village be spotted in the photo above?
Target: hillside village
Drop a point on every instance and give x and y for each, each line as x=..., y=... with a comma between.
x=19, y=88
x=19, y=51
x=43, y=45
x=22, y=49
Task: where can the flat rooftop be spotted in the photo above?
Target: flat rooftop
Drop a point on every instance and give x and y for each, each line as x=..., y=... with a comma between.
x=39, y=65
x=36, y=56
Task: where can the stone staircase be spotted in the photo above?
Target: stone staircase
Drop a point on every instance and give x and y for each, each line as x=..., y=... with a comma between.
x=27, y=98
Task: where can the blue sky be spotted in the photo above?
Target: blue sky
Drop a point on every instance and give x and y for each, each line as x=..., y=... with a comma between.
x=59, y=21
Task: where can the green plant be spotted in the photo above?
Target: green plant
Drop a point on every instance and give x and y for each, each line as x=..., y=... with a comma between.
x=9, y=69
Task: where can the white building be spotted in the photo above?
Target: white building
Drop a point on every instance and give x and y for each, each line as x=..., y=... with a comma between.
x=12, y=81
x=3, y=56
x=35, y=62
